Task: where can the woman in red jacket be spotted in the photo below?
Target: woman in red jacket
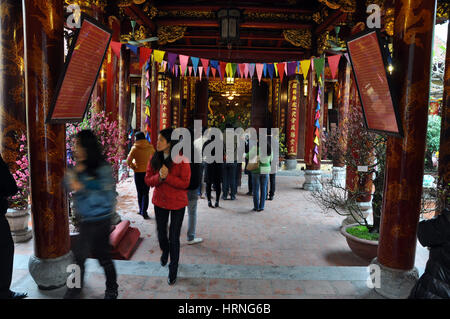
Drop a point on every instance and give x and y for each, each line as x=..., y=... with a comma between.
x=170, y=177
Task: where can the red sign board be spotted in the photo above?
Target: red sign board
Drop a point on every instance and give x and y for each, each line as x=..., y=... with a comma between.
x=81, y=70
x=369, y=68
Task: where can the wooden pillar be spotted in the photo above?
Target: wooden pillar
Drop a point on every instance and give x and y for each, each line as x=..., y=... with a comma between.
x=310, y=107
x=413, y=37
x=444, y=149
x=124, y=94
x=343, y=107
x=154, y=126
x=276, y=104
x=112, y=71
x=283, y=104
x=12, y=86
x=44, y=61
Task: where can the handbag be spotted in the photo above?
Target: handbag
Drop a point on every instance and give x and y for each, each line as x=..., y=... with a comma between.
x=253, y=166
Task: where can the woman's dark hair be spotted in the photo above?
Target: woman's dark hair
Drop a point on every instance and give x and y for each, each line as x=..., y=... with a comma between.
x=139, y=136
x=158, y=160
x=94, y=153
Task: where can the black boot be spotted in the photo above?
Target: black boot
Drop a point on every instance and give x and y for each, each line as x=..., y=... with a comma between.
x=217, y=204
x=210, y=204
x=172, y=275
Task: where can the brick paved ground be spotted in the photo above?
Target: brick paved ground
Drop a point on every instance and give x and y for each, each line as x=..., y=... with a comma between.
x=291, y=236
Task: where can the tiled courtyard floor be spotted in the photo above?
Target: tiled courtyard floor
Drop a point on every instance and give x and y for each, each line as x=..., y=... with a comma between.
x=290, y=250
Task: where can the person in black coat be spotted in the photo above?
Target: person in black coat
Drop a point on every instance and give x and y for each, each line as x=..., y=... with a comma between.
x=435, y=281
x=213, y=175
x=8, y=188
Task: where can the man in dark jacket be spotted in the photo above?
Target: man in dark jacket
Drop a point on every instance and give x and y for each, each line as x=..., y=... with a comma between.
x=8, y=188
x=435, y=282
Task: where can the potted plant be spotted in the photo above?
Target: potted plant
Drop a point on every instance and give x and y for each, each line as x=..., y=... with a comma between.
x=365, y=150
x=283, y=148
x=18, y=213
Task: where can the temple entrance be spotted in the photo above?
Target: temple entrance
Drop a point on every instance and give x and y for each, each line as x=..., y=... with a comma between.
x=229, y=103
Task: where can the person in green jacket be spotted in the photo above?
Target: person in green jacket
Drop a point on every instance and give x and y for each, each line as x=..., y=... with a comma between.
x=260, y=175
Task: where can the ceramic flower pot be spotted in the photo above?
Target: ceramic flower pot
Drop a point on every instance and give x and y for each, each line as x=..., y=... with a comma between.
x=18, y=222
x=366, y=249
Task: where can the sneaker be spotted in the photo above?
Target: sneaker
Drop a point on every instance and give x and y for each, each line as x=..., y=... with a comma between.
x=195, y=241
x=111, y=294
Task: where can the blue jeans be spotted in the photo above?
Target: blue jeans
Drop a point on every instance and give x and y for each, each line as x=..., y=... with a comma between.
x=259, y=182
x=229, y=179
x=202, y=173
x=192, y=213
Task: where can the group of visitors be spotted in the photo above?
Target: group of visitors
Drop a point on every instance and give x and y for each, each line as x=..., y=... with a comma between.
x=176, y=183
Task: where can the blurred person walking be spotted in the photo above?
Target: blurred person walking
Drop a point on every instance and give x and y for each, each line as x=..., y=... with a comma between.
x=138, y=159
x=94, y=199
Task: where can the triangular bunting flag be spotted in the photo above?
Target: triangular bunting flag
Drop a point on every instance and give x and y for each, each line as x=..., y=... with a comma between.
x=207, y=72
x=317, y=115
x=315, y=159
x=147, y=111
x=280, y=67
x=190, y=70
x=246, y=71
x=159, y=55
x=316, y=132
x=285, y=68
x=316, y=149
x=242, y=69
x=116, y=46
x=205, y=63
x=317, y=124
x=305, y=64
x=276, y=69
x=214, y=64
x=291, y=68
x=228, y=69
x=316, y=141
x=333, y=61
x=259, y=70
x=200, y=71
x=251, y=69
x=319, y=64
x=265, y=70
x=177, y=67
x=144, y=55
x=132, y=48
x=171, y=59
x=195, y=64
x=214, y=70
x=184, y=59
x=270, y=69
x=222, y=69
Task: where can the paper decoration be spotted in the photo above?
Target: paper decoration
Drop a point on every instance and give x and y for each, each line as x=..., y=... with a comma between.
x=317, y=124
x=207, y=71
x=259, y=70
x=304, y=65
x=222, y=69
x=316, y=149
x=265, y=70
x=246, y=71
x=333, y=61
x=184, y=59
x=158, y=55
x=233, y=69
x=214, y=70
x=171, y=59
x=200, y=71
x=147, y=111
x=317, y=115
x=228, y=70
x=214, y=64
x=317, y=133
x=285, y=68
x=190, y=70
x=116, y=46
x=275, y=68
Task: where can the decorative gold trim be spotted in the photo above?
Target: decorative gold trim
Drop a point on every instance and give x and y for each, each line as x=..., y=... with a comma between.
x=343, y=5
x=88, y=3
x=322, y=43
x=170, y=33
x=140, y=34
x=299, y=37
x=443, y=9
x=187, y=14
x=240, y=86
